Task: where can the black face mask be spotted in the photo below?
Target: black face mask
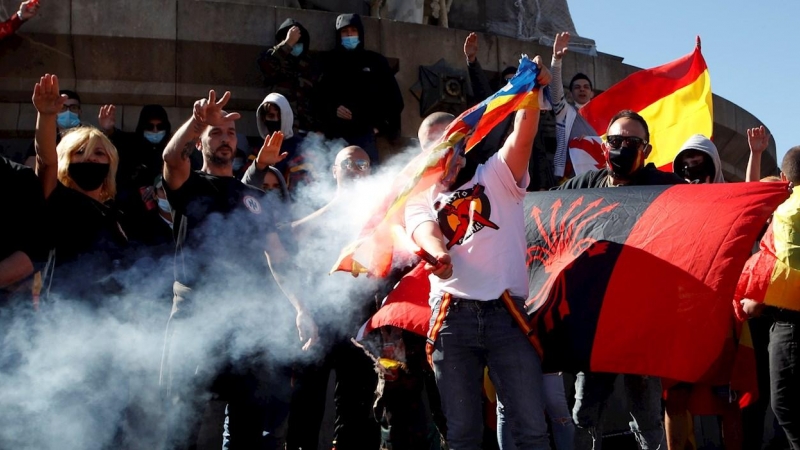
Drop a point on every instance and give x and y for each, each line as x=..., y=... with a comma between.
x=624, y=161
x=273, y=125
x=88, y=175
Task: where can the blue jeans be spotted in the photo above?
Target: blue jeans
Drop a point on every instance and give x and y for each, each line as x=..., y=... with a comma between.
x=474, y=335
x=555, y=403
x=643, y=394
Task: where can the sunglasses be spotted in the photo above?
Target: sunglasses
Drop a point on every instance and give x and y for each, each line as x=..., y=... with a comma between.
x=359, y=164
x=73, y=108
x=629, y=141
x=155, y=127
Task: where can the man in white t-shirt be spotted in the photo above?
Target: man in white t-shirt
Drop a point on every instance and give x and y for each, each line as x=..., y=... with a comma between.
x=475, y=228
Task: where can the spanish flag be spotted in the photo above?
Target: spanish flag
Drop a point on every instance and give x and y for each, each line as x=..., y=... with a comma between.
x=675, y=100
x=373, y=250
x=772, y=275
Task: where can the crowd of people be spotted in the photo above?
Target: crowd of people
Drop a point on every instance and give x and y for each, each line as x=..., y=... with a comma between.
x=108, y=225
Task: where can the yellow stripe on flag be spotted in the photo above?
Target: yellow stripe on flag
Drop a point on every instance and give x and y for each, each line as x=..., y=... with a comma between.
x=676, y=117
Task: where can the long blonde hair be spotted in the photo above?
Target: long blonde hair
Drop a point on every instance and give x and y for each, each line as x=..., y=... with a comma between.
x=87, y=138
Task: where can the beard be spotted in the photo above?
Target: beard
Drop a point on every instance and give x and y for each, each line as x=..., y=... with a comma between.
x=217, y=158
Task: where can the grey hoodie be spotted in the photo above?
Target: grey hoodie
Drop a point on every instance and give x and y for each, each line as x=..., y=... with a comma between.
x=287, y=116
x=703, y=144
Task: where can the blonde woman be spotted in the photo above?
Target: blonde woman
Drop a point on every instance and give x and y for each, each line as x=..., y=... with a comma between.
x=77, y=177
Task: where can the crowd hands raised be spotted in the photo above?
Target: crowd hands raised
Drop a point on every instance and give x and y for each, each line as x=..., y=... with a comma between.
x=255, y=320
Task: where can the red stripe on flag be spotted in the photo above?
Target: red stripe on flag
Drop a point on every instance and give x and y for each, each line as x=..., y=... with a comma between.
x=700, y=248
x=643, y=88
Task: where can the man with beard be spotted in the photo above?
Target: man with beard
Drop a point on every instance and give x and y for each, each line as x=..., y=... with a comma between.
x=226, y=331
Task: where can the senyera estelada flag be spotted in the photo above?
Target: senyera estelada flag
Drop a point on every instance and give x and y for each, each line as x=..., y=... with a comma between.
x=373, y=250
x=675, y=100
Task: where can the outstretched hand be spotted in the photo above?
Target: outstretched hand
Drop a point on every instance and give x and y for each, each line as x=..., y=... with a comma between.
x=208, y=111
x=107, y=118
x=758, y=139
x=471, y=47
x=560, y=45
x=46, y=97
x=28, y=9
x=270, y=154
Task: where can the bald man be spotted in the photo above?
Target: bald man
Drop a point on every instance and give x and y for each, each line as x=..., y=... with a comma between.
x=432, y=128
x=343, y=305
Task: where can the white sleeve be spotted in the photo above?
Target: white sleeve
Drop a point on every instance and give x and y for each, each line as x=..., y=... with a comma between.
x=496, y=171
x=419, y=210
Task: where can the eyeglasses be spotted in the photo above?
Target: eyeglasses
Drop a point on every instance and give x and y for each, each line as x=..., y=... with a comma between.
x=360, y=164
x=73, y=108
x=629, y=141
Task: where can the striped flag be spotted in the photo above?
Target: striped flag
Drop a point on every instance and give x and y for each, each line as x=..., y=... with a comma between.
x=675, y=100
x=772, y=275
x=372, y=252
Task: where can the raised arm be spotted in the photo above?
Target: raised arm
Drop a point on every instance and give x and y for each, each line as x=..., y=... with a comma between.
x=207, y=112
x=557, y=82
x=269, y=155
x=516, y=151
x=48, y=103
x=758, y=140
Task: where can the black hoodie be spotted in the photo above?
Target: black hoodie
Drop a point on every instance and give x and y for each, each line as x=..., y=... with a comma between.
x=361, y=81
x=291, y=76
x=139, y=160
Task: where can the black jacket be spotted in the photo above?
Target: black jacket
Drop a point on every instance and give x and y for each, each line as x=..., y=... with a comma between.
x=648, y=175
x=361, y=81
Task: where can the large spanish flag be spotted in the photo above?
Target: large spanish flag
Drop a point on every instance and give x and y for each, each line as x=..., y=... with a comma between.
x=625, y=280
x=373, y=250
x=675, y=99
x=772, y=275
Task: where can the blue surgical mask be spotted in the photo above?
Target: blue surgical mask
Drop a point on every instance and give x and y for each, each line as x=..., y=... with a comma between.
x=163, y=204
x=297, y=49
x=154, y=137
x=68, y=119
x=350, y=42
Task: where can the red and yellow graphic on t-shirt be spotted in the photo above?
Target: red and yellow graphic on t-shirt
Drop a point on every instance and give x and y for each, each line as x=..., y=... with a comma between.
x=465, y=213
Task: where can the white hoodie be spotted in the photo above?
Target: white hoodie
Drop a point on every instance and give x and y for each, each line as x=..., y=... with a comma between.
x=287, y=116
x=701, y=143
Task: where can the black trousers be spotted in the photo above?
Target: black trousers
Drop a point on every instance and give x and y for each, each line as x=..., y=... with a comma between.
x=355, y=427
x=784, y=371
x=753, y=415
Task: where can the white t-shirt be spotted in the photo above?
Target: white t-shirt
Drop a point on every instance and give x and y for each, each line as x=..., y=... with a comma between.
x=484, y=229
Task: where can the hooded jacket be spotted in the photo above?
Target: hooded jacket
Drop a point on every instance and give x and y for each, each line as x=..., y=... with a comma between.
x=139, y=160
x=287, y=116
x=700, y=143
x=362, y=81
x=292, y=76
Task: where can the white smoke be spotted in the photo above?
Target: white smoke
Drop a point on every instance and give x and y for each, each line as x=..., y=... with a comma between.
x=75, y=376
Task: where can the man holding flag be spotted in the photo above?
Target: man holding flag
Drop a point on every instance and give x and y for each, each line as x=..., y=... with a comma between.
x=771, y=278
x=475, y=228
x=626, y=148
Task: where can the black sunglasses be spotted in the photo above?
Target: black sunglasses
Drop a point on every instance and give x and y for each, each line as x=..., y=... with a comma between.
x=629, y=141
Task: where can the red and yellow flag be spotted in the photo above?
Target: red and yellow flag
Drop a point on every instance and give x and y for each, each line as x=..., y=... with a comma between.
x=674, y=99
x=772, y=275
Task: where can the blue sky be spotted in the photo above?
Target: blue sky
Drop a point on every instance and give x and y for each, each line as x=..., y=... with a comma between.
x=751, y=48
